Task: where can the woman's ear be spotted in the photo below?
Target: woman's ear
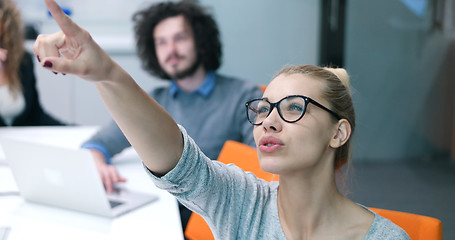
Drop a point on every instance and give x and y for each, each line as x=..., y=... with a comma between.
x=342, y=135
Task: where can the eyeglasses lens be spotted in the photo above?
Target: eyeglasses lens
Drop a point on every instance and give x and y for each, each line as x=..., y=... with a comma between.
x=290, y=109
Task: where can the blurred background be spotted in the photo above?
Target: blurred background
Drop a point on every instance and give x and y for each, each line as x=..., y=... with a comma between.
x=400, y=55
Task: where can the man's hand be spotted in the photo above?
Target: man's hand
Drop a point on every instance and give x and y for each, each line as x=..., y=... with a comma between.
x=108, y=173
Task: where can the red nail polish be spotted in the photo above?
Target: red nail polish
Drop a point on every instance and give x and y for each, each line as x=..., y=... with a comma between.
x=47, y=64
x=55, y=73
x=37, y=57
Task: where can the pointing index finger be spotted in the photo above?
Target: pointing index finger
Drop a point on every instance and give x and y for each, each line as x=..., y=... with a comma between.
x=64, y=22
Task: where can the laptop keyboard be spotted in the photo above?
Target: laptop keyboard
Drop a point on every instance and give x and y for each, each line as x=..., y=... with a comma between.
x=114, y=203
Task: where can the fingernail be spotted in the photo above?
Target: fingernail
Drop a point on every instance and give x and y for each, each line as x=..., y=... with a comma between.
x=47, y=64
x=55, y=73
x=37, y=57
x=64, y=74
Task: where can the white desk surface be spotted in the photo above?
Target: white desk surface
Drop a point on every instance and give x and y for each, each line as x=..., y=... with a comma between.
x=157, y=220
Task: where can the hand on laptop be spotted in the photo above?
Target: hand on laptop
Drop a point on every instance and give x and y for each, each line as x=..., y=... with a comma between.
x=108, y=173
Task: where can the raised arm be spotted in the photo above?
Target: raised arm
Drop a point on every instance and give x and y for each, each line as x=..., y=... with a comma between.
x=148, y=127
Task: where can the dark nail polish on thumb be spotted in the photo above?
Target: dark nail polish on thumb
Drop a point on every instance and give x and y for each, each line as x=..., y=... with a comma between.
x=47, y=64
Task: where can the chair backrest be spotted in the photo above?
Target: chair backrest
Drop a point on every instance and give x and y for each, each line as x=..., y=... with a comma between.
x=197, y=228
x=245, y=157
x=262, y=87
x=418, y=227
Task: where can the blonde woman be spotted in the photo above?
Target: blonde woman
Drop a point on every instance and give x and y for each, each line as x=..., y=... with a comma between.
x=303, y=126
x=19, y=102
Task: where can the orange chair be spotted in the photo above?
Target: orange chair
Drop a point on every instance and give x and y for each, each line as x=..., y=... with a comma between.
x=245, y=157
x=197, y=229
x=262, y=87
x=418, y=227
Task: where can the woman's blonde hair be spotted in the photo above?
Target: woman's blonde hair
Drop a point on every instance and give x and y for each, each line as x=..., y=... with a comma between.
x=12, y=39
x=337, y=92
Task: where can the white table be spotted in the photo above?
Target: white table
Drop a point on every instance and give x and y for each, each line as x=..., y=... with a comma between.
x=157, y=220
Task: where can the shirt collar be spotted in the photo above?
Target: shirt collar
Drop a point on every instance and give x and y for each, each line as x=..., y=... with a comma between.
x=205, y=89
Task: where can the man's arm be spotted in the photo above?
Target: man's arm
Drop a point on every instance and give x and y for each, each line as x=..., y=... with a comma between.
x=108, y=140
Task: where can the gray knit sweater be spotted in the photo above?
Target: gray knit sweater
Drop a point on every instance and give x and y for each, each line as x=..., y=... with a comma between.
x=235, y=204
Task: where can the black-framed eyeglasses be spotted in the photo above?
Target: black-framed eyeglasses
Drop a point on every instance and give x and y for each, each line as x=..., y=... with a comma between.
x=291, y=109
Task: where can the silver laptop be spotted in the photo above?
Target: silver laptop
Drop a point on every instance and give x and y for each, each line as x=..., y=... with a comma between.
x=66, y=178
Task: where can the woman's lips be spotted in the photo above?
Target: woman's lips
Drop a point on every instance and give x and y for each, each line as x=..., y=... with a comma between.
x=270, y=144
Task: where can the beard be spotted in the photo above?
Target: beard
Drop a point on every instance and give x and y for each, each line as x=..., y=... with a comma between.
x=186, y=72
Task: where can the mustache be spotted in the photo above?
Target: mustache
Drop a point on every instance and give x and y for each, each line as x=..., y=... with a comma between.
x=174, y=55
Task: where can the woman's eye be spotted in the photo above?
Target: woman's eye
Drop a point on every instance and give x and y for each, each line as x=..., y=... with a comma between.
x=262, y=110
x=295, y=107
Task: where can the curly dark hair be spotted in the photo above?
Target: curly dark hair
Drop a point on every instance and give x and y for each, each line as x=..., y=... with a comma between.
x=204, y=27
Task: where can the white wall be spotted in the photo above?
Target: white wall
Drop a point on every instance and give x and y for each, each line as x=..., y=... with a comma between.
x=259, y=37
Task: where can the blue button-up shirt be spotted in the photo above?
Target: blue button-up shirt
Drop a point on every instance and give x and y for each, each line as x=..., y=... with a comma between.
x=205, y=89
